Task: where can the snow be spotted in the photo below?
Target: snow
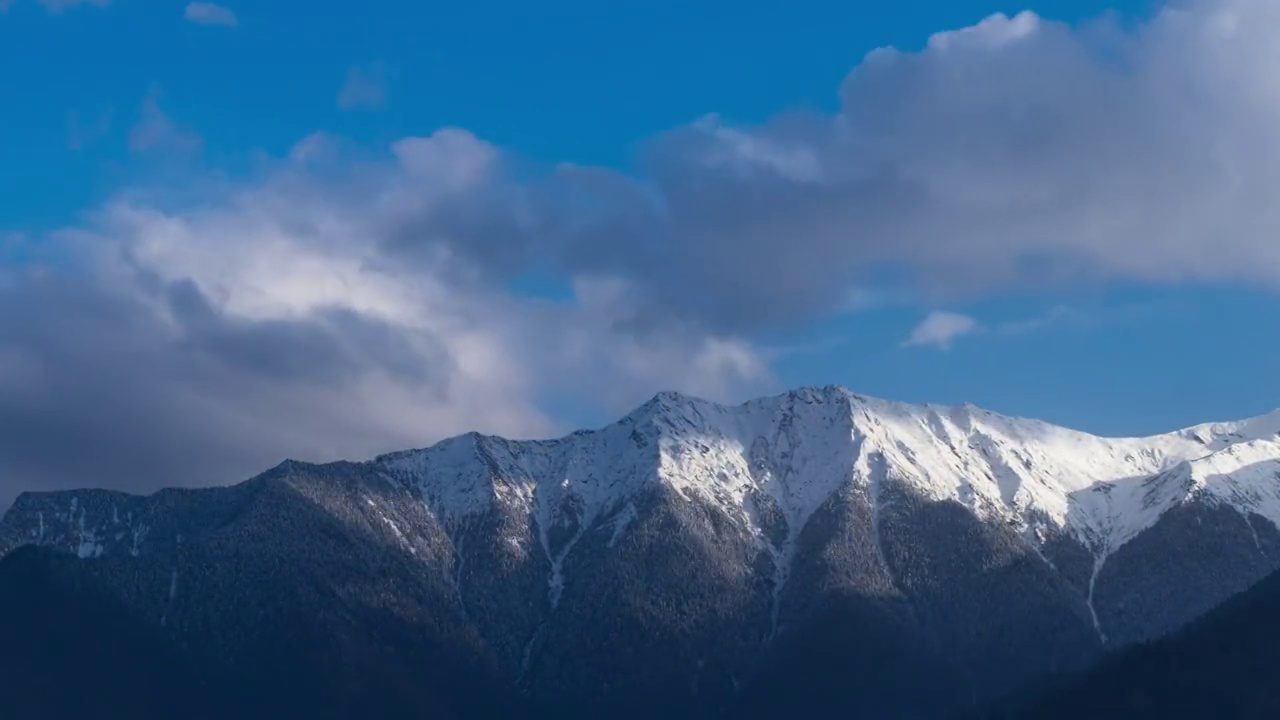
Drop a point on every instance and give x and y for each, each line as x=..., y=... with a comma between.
x=1098, y=562
x=139, y=534
x=802, y=447
x=769, y=464
x=395, y=529
x=89, y=545
x=620, y=523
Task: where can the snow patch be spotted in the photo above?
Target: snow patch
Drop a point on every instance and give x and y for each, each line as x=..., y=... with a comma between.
x=801, y=448
x=1093, y=581
x=624, y=518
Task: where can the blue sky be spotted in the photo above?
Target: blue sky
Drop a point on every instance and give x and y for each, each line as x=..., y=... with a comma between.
x=165, y=133
x=565, y=80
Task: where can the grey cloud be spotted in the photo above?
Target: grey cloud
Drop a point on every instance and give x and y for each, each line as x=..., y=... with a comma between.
x=1018, y=153
x=348, y=310
x=199, y=345
x=94, y=381
x=332, y=349
x=100, y=388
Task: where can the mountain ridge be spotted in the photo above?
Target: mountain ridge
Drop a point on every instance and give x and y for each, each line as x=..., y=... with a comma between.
x=684, y=550
x=991, y=463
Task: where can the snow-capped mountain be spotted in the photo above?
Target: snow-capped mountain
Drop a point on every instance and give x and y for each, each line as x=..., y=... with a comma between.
x=697, y=556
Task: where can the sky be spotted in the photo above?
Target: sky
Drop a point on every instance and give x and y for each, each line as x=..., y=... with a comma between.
x=233, y=233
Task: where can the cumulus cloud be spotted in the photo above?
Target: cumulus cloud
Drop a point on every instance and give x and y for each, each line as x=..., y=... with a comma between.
x=154, y=346
x=1016, y=153
x=337, y=308
x=204, y=13
x=940, y=329
x=365, y=87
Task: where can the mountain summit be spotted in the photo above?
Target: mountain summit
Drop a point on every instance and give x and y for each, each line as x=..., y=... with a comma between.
x=694, y=559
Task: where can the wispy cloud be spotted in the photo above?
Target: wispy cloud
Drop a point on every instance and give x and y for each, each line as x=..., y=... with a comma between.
x=940, y=329
x=365, y=87
x=1056, y=315
x=59, y=6
x=156, y=131
x=204, y=13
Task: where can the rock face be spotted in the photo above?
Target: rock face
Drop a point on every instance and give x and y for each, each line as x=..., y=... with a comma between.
x=816, y=551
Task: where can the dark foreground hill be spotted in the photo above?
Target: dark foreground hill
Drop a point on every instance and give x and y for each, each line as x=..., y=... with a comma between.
x=1224, y=665
x=70, y=650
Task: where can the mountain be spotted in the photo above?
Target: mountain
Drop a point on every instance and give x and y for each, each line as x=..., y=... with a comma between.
x=1222, y=665
x=70, y=650
x=818, y=550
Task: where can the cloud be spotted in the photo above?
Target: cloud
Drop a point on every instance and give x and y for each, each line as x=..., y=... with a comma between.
x=1019, y=153
x=200, y=344
x=59, y=6
x=155, y=131
x=1057, y=314
x=364, y=88
x=340, y=307
x=940, y=329
x=204, y=13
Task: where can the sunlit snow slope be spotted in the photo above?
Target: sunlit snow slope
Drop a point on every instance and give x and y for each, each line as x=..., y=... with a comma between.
x=801, y=447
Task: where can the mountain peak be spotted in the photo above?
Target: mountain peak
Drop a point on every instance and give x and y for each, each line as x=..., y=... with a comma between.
x=799, y=448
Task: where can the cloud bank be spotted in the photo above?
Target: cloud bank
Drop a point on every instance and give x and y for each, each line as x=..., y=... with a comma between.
x=341, y=305
x=1017, y=153
x=157, y=346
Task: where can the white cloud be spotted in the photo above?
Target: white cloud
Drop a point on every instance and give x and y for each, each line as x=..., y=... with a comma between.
x=1018, y=153
x=369, y=309
x=201, y=344
x=205, y=13
x=940, y=329
x=365, y=87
